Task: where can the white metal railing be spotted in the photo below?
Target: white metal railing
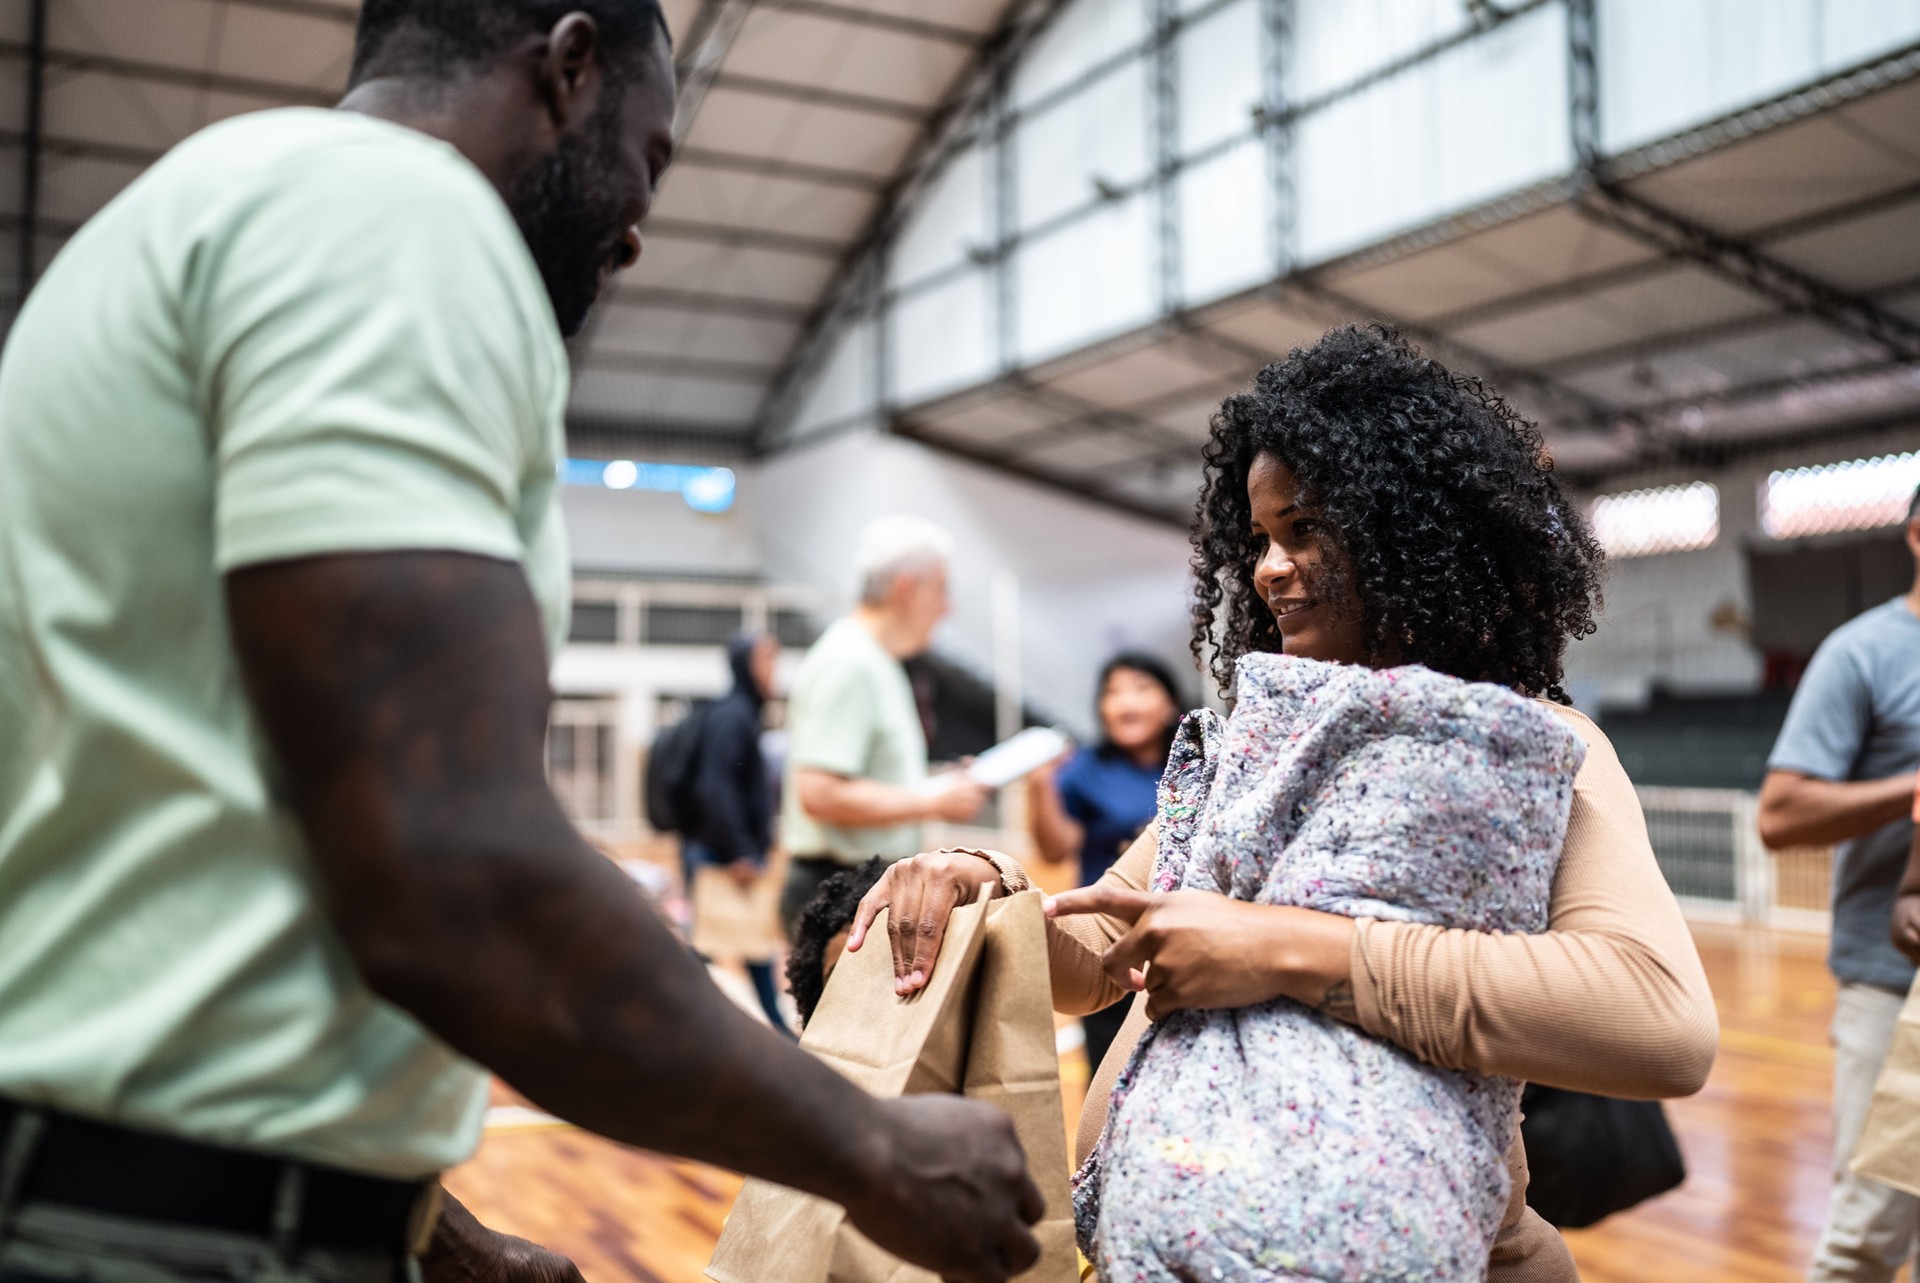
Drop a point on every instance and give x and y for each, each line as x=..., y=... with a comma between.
x=760, y=608
x=1709, y=848
x=1706, y=840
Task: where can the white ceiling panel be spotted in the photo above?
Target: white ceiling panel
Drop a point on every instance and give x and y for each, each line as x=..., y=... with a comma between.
x=1536, y=252
x=721, y=198
x=1862, y=254
x=97, y=106
x=1678, y=299
x=1148, y=373
x=71, y=189
x=1587, y=450
x=805, y=48
x=1789, y=173
x=1173, y=486
x=990, y=420
x=1271, y=328
x=664, y=332
x=977, y=16
x=1193, y=417
x=1906, y=303
x=1087, y=454
x=756, y=125
x=1788, y=348
x=1887, y=117
x=661, y=398
x=672, y=263
x=273, y=45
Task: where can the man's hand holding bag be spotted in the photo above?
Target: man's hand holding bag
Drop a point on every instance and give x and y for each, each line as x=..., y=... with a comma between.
x=981, y=1027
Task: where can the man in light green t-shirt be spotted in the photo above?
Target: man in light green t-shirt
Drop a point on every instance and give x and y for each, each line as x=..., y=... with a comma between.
x=857, y=757
x=280, y=580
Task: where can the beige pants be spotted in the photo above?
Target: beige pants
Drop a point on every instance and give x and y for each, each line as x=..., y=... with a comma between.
x=1871, y=1230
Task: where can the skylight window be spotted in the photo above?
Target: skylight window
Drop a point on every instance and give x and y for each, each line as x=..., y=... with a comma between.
x=1640, y=523
x=1859, y=494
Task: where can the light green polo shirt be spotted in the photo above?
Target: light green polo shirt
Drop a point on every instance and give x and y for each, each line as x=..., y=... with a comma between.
x=851, y=711
x=301, y=332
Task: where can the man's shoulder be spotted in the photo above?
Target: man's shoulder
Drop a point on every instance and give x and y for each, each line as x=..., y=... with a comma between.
x=1889, y=631
x=324, y=168
x=844, y=650
x=1889, y=622
x=294, y=134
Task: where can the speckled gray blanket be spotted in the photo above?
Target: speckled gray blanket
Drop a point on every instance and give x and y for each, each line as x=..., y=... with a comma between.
x=1271, y=1142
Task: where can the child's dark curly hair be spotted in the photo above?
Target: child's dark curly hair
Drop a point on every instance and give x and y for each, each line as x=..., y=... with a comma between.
x=1463, y=553
x=830, y=912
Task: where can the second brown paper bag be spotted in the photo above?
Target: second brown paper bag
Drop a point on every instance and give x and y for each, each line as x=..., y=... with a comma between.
x=1889, y=1148
x=982, y=1026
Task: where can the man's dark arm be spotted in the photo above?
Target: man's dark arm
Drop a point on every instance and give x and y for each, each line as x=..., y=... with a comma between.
x=1798, y=809
x=405, y=695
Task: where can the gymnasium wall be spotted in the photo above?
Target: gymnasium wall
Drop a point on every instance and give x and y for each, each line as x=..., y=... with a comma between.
x=1090, y=580
x=639, y=532
x=1682, y=619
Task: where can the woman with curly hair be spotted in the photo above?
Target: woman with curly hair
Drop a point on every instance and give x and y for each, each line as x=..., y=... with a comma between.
x=1363, y=505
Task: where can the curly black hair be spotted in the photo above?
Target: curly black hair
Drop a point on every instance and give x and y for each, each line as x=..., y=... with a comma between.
x=1441, y=507
x=829, y=913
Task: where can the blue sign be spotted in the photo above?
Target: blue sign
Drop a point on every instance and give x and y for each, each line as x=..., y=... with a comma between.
x=704, y=489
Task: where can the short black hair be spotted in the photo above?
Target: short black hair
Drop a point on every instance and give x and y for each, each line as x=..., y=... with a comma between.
x=442, y=39
x=830, y=912
x=1463, y=552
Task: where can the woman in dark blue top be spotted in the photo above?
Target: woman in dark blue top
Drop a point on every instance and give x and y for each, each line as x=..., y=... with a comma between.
x=1095, y=804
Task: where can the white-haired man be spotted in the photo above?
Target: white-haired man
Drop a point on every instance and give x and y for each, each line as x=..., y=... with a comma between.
x=857, y=756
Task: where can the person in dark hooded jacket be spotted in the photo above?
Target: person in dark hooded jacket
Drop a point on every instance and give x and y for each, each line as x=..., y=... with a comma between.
x=731, y=820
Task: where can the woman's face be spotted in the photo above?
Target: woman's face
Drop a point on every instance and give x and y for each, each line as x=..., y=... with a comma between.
x=1316, y=608
x=1135, y=710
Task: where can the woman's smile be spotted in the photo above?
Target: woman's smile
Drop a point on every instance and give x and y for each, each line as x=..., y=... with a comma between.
x=1288, y=608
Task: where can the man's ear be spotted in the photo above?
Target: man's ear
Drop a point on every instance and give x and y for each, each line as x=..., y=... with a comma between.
x=570, y=71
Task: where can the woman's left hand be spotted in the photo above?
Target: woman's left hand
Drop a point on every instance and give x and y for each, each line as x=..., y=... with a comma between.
x=1199, y=950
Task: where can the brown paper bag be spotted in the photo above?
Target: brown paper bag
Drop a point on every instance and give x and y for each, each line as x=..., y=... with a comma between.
x=1889, y=1148
x=732, y=923
x=983, y=1025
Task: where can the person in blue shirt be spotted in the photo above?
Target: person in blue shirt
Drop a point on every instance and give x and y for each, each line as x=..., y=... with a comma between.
x=1096, y=801
x=1843, y=773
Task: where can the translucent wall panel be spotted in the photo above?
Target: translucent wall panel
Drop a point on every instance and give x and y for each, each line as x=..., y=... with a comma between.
x=1482, y=120
x=950, y=219
x=1335, y=42
x=1219, y=76
x=1091, y=279
x=941, y=339
x=1665, y=67
x=844, y=387
x=1852, y=31
x=1098, y=133
x=1087, y=34
x=1226, y=213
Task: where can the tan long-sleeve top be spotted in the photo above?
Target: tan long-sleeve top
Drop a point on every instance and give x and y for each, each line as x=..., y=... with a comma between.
x=1610, y=999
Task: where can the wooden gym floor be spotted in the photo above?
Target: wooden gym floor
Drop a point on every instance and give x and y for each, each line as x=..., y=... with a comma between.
x=1755, y=1139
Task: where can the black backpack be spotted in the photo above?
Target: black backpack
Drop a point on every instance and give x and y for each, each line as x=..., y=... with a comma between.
x=1591, y=1156
x=671, y=768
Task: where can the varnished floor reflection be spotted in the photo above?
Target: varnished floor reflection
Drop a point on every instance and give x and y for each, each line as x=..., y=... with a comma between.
x=1755, y=1140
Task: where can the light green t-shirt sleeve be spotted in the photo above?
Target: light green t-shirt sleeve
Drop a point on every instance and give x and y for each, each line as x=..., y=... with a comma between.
x=832, y=725
x=375, y=372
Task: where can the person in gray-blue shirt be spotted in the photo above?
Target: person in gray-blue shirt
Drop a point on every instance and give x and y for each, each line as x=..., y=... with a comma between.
x=1842, y=772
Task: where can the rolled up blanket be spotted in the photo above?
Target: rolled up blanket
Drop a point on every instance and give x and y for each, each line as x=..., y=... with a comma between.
x=1274, y=1143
